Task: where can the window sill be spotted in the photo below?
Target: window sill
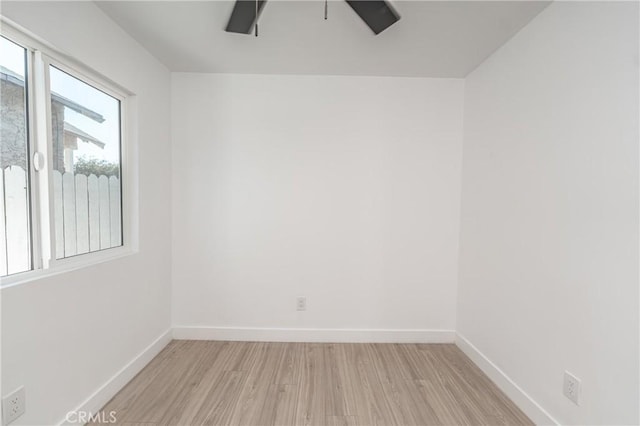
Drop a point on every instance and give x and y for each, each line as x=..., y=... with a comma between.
x=67, y=265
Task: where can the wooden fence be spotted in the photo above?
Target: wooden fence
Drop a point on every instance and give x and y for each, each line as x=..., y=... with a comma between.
x=87, y=216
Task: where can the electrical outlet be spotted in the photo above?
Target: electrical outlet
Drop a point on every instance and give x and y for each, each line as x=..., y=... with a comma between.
x=13, y=405
x=571, y=387
x=301, y=303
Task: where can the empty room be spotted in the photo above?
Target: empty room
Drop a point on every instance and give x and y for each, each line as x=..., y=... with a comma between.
x=320, y=212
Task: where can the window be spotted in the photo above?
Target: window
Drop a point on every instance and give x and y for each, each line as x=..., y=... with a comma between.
x=61, y=180
x=85, y=124
x=14, y=156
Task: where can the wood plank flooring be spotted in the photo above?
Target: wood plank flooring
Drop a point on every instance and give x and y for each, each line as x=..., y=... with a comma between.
x=323, y=384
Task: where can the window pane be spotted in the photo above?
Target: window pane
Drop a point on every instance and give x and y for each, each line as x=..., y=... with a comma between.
x=86, y=166
x=14, y=157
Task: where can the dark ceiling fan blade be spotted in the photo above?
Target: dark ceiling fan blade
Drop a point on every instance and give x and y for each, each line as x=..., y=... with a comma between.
x=244, y=16
x=378, y=14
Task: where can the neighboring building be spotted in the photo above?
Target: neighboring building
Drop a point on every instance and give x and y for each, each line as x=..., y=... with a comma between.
x=13, y=133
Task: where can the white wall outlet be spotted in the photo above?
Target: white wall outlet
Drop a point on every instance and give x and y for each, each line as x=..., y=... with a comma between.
x=571, y=387
x=301, y=303
x=13, y=405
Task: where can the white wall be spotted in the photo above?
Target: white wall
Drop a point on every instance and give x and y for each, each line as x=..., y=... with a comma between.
x=63, y=337
x=549, y=233
x=341, y=189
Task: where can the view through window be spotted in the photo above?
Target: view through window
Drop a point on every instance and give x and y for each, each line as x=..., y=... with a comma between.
x=82, y=167
x=14, y=158
x=87, y=198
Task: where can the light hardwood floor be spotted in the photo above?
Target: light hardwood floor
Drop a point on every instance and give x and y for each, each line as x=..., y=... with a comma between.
x=243, y=383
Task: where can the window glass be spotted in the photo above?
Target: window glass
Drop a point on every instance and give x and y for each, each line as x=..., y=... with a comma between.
x=15, y=247
x=85, y=146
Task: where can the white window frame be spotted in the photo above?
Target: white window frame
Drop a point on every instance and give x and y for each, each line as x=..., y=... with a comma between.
x=40, y=55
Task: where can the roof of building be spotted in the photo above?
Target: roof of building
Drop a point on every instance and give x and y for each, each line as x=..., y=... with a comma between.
x=14, y=78
x=85, y=137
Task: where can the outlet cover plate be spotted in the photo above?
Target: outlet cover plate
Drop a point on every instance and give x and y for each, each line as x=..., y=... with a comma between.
x=13, y=405
x=571, y=387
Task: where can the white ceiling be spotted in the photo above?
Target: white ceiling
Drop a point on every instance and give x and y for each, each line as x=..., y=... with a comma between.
x=432, y=38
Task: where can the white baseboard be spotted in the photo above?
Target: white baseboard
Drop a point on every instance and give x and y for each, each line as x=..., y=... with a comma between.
x=100, y=397
x=321, y=335
x=527, y=404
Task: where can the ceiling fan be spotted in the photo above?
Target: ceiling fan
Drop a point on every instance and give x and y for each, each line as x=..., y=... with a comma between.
x=377, y=14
